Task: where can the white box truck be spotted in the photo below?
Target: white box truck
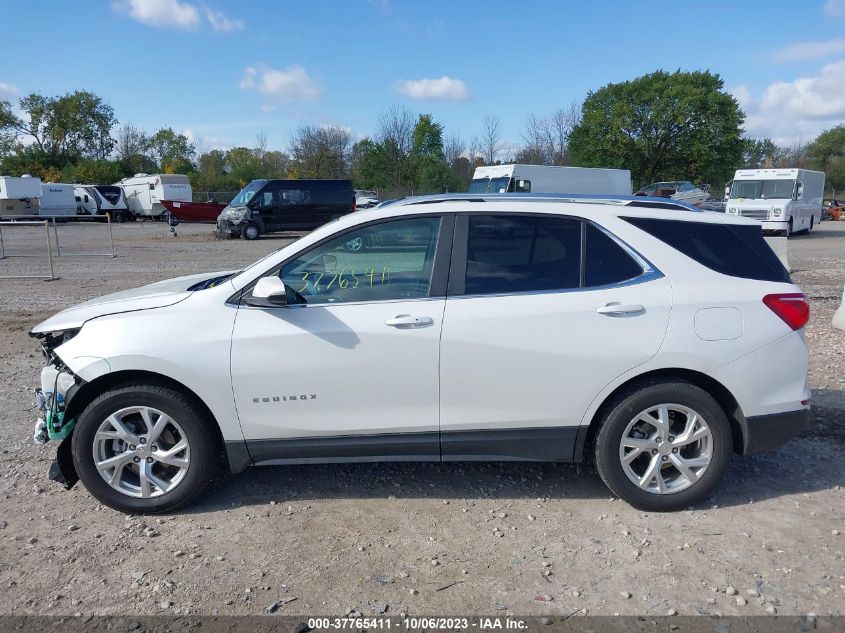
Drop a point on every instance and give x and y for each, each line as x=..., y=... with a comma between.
x=544, y=179
x=19, y=195
x=144, y=192
x=57, y=199
x=784, y=200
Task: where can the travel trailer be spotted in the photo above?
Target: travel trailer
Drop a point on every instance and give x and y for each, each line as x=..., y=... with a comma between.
x=784, y=200
x=100, y=200
x=144, y=192
x=57, y=199
x=543, y=179
x=19, y=195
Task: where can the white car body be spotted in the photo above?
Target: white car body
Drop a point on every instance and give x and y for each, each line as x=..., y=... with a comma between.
x=798, y=205
x=529, y=371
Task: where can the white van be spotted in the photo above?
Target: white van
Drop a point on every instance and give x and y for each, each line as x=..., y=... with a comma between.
x=785, y=200
x=57, y=199
x=544, y=179
x=100, y=200
x=144, y=192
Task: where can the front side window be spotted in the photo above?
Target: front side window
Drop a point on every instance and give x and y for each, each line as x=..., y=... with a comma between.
x=387, y=261
x=516, y=253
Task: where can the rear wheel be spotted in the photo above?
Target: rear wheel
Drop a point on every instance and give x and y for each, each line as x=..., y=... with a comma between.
x=144, y=449
x=663, y=446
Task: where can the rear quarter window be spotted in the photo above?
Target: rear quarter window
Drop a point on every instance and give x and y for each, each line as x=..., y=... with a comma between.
x=730, y=249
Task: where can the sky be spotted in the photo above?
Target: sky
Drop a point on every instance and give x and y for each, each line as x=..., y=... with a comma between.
x=223, y=72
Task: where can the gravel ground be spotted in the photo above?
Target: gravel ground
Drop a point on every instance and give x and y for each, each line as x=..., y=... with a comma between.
x=450, y=539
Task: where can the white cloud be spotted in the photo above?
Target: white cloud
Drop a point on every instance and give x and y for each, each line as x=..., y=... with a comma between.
x=176, y=14
x=835, y=8
x=285, y=85
x=442, y=89
x=222, y=24
x=8, y=91
x=810, y=50
x=161, y=13
x=796, y=109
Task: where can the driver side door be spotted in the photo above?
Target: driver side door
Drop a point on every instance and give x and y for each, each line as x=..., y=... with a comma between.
x=348, y=370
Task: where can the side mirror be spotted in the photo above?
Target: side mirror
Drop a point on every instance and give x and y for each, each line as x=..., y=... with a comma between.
x=268, y=292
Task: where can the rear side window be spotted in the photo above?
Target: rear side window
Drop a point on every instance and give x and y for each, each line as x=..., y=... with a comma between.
x=735, y=250
x=606, y=262
x=511, y=253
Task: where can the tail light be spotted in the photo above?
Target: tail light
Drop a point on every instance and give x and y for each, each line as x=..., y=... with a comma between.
x=793, y=308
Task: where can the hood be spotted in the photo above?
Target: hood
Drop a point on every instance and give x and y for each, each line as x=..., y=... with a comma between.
x=157, y=295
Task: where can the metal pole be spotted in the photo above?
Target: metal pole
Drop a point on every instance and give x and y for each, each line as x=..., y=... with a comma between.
x=2, y=247
x=56, y=233
x=111, y=235
x=49, y=248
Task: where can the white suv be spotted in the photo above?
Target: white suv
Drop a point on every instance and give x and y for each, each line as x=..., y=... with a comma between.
x=653, y=340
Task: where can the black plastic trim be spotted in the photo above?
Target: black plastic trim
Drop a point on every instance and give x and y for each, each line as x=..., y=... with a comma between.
x=422, y=446
x=544, y=444
x=761, y=433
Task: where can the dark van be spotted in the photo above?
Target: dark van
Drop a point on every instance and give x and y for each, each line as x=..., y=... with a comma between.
x=265, y=206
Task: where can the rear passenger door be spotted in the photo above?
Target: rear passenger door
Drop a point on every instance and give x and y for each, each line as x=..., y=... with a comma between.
x=543, y=312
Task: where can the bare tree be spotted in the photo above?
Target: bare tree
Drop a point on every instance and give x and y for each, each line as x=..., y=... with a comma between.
x=260, y=144
x=491, y=138
x=394, y=132
x=559, y=126
x=453, y=149
x=537, y=142
x=321, y=152
x=796, y=154
x=131, y=141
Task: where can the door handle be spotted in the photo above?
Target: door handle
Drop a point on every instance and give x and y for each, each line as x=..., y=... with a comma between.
x=409, y=321
x=620, y=309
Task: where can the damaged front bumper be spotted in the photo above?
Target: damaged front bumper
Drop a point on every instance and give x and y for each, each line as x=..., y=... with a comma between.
x=58, y=386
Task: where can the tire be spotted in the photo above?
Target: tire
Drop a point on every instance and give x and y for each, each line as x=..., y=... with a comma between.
x=626, y=410
x=789, y=228
x=250, y=231
x=201, y=454
x=812, y=223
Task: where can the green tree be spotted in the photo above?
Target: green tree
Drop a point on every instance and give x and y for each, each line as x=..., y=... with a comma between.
x=369, y=165
x=172, y=152
x=761, y=152
x=63, y=129
x=827, y=154
x=93, y=171
x=662, y=126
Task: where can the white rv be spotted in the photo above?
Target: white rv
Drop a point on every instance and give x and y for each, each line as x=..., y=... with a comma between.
x=543, y=179
x=19, y=195
x=144, y=192
x=786, y=200
x=56, y=200
x=100, y=200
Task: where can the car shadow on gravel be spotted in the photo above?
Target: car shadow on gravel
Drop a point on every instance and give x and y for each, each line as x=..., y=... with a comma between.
x=812, y=462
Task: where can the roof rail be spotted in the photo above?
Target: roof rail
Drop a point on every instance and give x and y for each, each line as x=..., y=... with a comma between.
x=649, y=202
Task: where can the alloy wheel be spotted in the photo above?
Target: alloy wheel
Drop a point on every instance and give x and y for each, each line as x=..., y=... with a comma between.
x=666, y=448
x=141, y=452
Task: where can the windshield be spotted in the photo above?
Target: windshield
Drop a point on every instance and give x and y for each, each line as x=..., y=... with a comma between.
x=489, y=185
x=762, y=189
x=247, y=192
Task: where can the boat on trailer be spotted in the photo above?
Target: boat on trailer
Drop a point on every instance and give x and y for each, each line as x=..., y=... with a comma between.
x=193, y=211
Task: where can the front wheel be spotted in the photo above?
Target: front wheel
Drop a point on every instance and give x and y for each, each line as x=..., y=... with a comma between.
x=663, y=446
x=144, y=449
x=250, y=232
